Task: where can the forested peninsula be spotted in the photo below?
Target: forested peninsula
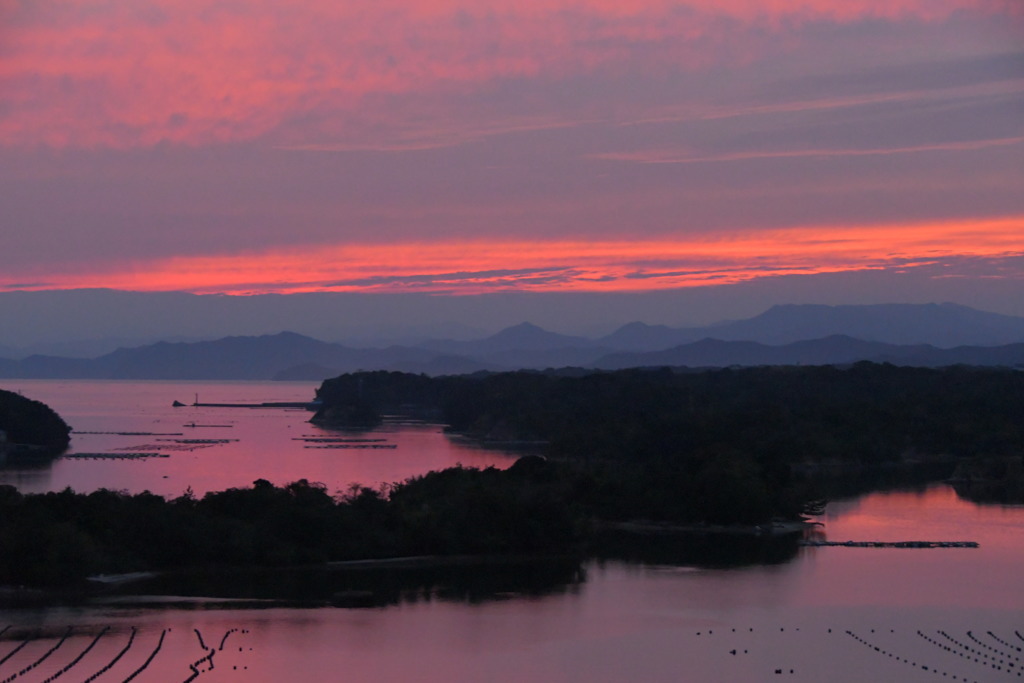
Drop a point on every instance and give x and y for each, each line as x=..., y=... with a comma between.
x=29, y=428
x=657, y=449
x=726, y=446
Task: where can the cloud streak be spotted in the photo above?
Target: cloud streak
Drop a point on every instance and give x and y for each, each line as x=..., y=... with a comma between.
x=675, y=157
x=458, y=147
x=84, y=74
x=563, y=265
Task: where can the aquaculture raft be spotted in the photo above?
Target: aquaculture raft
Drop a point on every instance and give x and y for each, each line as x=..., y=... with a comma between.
x=891, y=544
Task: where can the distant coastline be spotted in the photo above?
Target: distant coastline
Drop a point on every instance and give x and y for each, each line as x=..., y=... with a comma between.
x=929, y=335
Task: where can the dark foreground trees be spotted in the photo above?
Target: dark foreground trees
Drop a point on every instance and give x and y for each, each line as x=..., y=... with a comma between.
x=56, y=538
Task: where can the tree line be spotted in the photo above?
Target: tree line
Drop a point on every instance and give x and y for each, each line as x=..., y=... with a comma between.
x=730, y=445
x=60, y=537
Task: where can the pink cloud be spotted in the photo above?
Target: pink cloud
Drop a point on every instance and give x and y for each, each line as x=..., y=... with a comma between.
x=124, y=74
x=610, y=265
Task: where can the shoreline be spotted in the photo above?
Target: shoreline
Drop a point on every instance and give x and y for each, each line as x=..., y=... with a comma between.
x=770, y=529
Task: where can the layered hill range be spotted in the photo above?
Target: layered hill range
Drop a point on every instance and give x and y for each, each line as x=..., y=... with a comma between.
x=927, y=335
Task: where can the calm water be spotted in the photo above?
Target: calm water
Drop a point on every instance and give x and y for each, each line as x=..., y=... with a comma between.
x=274, y=444
x=940, y=609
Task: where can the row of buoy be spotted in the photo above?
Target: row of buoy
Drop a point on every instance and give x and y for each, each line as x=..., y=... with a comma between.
x=228, y=633
x=208, y=657
x=110, y=665
x=206, y=442
x=331, y=439
x=210, y=652
x=149, y=660
x=996, y=662
x=972, y=654
x=891, y=655
x=353, y=446
x=1004, y=644
x=889, y=544
x=194, y=666
x=134, y=433
x=15, y=650
x=197, y=667
x=114, y=456
x=968, y=647
x=41, y=659
x=949, y=649
x=992, y=649
x=67, y=667
x=172, y=447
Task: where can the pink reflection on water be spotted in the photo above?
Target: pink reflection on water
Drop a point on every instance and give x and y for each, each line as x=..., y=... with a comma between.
x=984, y=576
x=257, y=443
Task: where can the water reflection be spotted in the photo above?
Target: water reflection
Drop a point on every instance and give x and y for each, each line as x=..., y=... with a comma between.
x=465, y=580
x=212, y=449
x=461, y=579
x=820, y=615
x=698, y=550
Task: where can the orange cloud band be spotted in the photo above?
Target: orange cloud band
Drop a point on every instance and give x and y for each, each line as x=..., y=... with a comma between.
x=472, y=267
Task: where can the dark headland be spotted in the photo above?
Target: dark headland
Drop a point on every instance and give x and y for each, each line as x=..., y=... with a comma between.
x=29, y=428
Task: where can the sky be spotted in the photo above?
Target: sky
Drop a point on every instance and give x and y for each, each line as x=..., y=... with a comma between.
x=725, y=151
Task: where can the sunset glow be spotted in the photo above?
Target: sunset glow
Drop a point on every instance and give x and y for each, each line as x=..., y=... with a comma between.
x=456, y=147
x=474, y=267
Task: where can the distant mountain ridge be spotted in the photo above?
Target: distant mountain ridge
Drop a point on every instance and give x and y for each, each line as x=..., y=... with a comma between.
x=254, y=358
x=793, y=334
x=942, y=325
x=522, y=337
x=834, y=350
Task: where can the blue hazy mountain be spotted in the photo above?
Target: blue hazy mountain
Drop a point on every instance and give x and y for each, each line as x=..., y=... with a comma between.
x=942, y=325
x=521, y=337
x=638, y=336
x=259, y=357
x=834, y=350
x=524, y=346
x=932, y=334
